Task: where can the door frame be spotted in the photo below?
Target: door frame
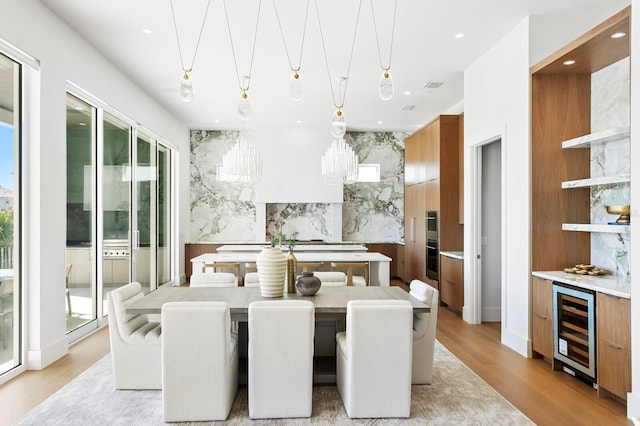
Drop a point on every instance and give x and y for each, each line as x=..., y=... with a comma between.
x=472, y=310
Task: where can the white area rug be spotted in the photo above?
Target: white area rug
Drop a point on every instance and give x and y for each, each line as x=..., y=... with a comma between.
x=457, y=396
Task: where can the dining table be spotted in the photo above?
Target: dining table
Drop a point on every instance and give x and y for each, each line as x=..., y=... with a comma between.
x=330, y=306
x=329, y=303
x=379, y=264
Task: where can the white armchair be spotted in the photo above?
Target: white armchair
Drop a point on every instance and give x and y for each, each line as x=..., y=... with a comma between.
x=135, y=342
x=280, y=358
x=199, y=361
x=373, y=359
x=213, y=279
x=424, y=333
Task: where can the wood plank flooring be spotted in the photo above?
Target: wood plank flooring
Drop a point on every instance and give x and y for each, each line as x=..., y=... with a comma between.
x=545, y=396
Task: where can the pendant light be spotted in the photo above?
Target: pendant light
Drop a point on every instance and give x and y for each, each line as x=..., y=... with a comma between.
x=385, y=85
x=245, y=110
x=186, y=91
x=339, y=164
x=295, y=86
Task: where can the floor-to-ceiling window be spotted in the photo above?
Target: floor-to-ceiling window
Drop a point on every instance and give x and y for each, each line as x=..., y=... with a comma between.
x=80, y=269
x=10, y=144
x=118, y=209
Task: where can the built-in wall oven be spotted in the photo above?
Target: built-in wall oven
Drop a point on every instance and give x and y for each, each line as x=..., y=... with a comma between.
x=432, y=228
x=574, y=329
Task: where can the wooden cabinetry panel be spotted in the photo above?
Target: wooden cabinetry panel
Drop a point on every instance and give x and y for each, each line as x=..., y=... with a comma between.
x=388, y=250
x=194, y=250
x=451, y=282
x=613, y=328
x=542, y=317
x=400, y=264
x=461, y=170
x=614, y=370
x=613, y=319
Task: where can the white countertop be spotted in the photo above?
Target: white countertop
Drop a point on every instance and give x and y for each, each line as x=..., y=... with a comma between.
x=608, y=284
x=453, y=254
x=347, y=256
x=232, y=248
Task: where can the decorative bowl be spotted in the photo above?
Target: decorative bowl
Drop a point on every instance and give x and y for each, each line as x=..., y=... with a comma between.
x=623, y=211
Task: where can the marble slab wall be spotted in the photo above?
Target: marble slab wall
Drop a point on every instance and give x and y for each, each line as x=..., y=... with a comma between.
x=610, y=108
x=225, y=212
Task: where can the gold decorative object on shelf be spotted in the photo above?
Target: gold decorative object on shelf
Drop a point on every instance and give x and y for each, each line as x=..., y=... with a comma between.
x=582, y=269
x=623, y=211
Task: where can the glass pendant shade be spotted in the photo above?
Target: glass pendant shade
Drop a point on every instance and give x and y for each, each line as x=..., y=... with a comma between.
x=338, y=124
x=295, y=88
x=241, y=164
x=244, y=108
x=339, y=164
x=186, y=88
x=385, y=87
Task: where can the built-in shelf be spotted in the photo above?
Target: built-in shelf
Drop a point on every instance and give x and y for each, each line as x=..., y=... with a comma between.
x=582, y=227
x=609, y=135
x=605, y=180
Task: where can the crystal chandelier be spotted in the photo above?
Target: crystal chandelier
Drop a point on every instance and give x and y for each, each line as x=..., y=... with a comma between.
x=340, y=163
x=241, y=164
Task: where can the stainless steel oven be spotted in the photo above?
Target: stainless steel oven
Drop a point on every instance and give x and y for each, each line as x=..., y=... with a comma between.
x=432, y=251
x=574, y=329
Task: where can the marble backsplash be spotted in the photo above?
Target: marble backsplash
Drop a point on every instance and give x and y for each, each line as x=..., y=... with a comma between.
x=610, y=106
x=223, y=211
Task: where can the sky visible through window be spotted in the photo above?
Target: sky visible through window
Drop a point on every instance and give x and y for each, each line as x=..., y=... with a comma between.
x=6, y=156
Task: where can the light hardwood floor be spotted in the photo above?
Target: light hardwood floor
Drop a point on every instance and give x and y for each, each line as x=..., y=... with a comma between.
x=545, y=396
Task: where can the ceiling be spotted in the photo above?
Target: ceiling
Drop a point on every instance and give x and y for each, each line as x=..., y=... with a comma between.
x=425, y=50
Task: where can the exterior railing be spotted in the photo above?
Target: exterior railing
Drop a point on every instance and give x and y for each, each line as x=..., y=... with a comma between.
x=6, y=257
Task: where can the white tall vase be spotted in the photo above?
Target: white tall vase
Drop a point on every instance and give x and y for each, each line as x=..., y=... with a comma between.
x=272, y=268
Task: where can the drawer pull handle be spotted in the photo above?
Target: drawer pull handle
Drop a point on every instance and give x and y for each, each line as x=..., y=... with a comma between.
x=614, y=346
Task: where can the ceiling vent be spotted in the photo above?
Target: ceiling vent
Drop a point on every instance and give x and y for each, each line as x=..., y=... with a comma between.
x=408, y=107
x=433, y=85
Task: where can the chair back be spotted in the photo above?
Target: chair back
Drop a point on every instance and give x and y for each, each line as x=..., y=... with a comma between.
x=133, y=328
x=199, y=361
x=280, y=358
x=332, y=278
x=426, y=322
x=213, y=279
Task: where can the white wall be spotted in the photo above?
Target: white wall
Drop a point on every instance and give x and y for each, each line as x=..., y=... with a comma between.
x=64, y=56
x=497, y=104
x=291, y=165
x=633, y=398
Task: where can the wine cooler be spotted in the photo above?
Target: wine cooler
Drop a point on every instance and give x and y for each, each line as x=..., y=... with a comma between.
x=574, y=328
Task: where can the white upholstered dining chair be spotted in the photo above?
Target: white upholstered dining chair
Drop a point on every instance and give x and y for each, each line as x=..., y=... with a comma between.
x=280, y=358
x=424, y=333
x=135, y=342
x=213, y=279
x=373, y=359
x=199, y=361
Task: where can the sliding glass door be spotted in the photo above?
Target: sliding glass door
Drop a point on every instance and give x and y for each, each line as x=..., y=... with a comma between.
x=118, y=210
x=10, y=144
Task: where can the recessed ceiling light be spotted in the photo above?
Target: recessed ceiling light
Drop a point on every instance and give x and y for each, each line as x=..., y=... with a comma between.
x=459, y=35
x=216, y=121
x=407, y=92
x=298, y=121
x=618, y=34
x=83, y=124
x=147, y=31
x=380, y=122
x=569, y=62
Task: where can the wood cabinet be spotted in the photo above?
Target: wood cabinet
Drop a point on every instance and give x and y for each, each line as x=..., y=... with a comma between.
x=461, y=170
x=451, y=282
x=388, y=249
x=431, y=183
x=400, y=264
x=195, y=250
x=613, y=328
x=542, y=318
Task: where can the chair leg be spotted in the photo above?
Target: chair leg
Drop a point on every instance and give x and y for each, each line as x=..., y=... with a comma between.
x=69, y=301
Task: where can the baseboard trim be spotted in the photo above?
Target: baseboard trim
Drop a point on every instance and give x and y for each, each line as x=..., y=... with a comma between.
x=633, y=406
x=39, y=359
x=515, y=342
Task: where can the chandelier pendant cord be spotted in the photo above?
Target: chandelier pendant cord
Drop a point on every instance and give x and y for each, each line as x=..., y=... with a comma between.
x=343, y=91
x=393, y=30
x=295, y=69
x=175, y=27
x=233, y=50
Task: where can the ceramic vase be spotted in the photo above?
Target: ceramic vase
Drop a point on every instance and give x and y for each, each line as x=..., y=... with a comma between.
x=308, y=284
x=272, y=268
